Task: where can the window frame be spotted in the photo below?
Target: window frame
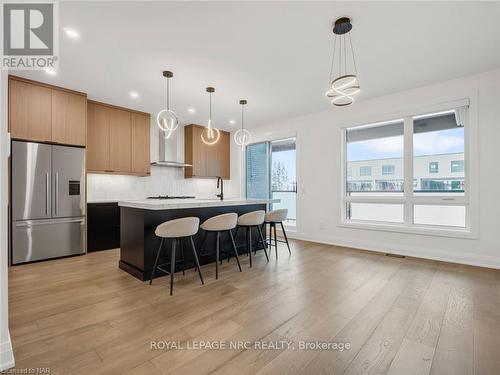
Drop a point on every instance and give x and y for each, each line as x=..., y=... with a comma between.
x=431, y=164
x=392, y=168
x=470, y=198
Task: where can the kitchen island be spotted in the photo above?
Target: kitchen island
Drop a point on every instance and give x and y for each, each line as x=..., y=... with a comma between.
x=139, y=219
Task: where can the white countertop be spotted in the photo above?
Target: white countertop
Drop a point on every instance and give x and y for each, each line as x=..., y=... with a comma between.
x=171, y=204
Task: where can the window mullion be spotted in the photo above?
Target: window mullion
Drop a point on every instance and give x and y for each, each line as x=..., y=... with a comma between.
x=408, y=169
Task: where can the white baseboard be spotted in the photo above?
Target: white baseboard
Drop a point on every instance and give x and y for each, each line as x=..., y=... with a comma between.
x=6, y=355
x=413, y=251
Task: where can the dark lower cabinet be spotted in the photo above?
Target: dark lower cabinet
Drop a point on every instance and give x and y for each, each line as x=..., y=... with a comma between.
x=103, y=226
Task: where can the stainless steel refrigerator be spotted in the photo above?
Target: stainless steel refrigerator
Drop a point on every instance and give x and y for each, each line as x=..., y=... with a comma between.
x=48, y=201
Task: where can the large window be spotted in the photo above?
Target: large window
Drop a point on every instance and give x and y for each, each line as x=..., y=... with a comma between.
x=271, y=173
x=408, y=185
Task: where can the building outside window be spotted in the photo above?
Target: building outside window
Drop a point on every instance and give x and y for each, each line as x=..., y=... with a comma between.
x=457, y=166
x=407, y=187
x=365, y=171
x=433, y=167
x=388, y=169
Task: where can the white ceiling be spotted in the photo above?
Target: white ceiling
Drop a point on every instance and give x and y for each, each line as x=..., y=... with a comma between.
x=275, y=54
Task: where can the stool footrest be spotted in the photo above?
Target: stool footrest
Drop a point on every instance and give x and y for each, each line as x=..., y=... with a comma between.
x=163, y=270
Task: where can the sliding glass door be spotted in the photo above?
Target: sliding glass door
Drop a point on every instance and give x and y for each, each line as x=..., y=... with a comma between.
x=271, y=173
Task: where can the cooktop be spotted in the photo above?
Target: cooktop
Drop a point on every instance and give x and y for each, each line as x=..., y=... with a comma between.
x=171, y=197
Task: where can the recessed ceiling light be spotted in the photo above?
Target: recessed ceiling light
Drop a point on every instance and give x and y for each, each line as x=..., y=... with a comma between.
x=191, y=110
x=232, y=122
x=50, y=71
x=71, y=33
x=134, y=94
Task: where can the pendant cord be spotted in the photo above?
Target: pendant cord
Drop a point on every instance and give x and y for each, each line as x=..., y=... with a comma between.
x=242, y=108
x=352, y=52
x=333, y=59
x=210, y=111
x=168, y=94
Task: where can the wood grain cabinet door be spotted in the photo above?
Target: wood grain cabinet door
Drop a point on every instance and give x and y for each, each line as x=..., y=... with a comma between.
x=223, y=155
x=141, y=134
x=29, y=111
x=97, y=137
x=69, y=118
x=120, y=141
x=200, y=162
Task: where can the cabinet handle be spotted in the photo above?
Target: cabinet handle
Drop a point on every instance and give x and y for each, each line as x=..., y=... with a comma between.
x=108, y=170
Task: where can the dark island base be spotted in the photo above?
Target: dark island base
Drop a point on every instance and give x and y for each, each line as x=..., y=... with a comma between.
x=139, y=244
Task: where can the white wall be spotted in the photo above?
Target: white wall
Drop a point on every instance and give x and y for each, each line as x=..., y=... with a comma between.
x=319, y=155
x=6, y=355
x=163, y=180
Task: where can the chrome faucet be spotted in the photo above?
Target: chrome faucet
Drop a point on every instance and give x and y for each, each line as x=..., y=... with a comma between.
x=221, y=181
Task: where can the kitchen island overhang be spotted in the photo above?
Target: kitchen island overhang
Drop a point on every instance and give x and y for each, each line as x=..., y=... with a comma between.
x=139, y=219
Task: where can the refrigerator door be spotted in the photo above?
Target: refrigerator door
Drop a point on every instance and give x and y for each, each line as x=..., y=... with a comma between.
x=68, y=170
x=31, y=180
x=44, y=239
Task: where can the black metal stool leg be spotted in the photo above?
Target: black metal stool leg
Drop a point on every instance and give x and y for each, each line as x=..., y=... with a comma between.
x=172, y=266
x=262, y=240
x=220, y=246
x=235, y=249
x=275, y=240
x=270, y=238
x=156, y=261
x=182, y=254
x=257, y=244
x=217, y=256
x=246, y=239
x=195, y=255
x=286, y=238
x=249, y=231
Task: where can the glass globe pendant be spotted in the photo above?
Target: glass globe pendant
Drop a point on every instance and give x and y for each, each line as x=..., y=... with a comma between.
x=344, y=83
x=210, y=135
x=242, y=136
x=167, y=119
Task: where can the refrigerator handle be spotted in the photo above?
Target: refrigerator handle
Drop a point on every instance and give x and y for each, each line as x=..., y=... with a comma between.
x=47, y=193
x=57, y=193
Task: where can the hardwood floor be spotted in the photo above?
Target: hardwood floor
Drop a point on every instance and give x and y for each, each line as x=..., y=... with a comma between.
x=83, y=315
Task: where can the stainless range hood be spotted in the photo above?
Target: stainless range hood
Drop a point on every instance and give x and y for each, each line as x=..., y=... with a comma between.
x=162, y=160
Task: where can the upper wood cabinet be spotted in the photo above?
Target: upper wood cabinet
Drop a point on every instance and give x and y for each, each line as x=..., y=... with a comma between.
x=69, y=118
x=120, y=143
x=97, y=137
x=45, y=113
x=207, y=160
x=141, y=137
x=30, y=111
x=118, y=140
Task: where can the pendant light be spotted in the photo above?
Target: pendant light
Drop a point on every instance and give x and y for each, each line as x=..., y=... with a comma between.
x=210, y=135
x=344, y=83
x=166, y=119
x=242, y=136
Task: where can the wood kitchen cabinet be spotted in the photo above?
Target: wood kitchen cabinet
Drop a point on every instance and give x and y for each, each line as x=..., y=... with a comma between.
x=207, y=161
x=141, y=135
x=69, y=118
x=45, y=113
x=30, y=111
x=118, y=140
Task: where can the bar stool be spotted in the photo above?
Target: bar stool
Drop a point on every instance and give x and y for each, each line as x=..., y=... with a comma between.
x=176, y=230
x=248, y=221
x=218, y=224
x=272, y=218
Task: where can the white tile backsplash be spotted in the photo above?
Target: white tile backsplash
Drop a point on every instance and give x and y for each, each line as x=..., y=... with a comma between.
x=163, y=180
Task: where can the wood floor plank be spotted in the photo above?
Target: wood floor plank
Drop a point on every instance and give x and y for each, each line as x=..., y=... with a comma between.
x=83, y=315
